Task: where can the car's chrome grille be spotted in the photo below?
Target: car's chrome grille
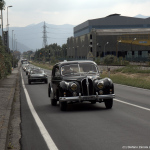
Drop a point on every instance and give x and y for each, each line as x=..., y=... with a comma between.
x=87, y=87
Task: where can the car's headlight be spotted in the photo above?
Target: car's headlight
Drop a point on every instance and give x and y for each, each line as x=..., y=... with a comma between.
x=73, y=87
x=100, y=85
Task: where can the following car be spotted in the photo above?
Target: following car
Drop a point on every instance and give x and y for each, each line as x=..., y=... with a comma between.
x=37, y=75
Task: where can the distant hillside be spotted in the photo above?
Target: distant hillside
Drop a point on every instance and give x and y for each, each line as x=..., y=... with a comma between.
x=30, y=37
x=141, y=16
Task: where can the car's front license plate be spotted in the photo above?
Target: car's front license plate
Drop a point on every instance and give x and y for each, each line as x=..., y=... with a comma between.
x=88, y=98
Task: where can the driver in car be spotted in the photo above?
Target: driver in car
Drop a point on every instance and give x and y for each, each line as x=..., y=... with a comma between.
x=66, y=70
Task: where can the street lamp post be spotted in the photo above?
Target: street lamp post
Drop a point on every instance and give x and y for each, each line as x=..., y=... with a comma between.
x=8, y=28
x=14, y=42
x=117, y=48
x=2, y=25
x=104, y=47
x=12, y=39
x=97, y=53
x=49, y=55
x=15, y=45
x=12, y=49
x=131, y=47
x=98, y=49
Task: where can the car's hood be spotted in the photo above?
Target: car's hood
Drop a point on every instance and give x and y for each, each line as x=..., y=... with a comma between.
x=79, y=78
x=37, y=75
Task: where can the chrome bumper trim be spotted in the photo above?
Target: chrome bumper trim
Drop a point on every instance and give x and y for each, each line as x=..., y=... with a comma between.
x=86, y=98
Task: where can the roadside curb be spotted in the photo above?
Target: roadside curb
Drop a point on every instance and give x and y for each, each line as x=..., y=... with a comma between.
x=7, y=94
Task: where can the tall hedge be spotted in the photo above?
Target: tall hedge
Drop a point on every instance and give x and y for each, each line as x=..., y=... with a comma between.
x=5, y=61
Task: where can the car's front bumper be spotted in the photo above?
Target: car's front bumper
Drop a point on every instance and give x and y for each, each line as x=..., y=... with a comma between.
x=80, y=98
x=38, y=79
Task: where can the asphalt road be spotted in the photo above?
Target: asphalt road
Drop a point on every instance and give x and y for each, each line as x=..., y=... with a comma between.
x=87, y=126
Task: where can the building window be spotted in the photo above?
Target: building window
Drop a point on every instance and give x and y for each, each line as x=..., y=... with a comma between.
x=91, y=49
x=139, y=53
x=90, y=36
x=132, y=52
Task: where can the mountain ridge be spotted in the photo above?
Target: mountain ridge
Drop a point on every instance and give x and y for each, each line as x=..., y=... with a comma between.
x=31, y=36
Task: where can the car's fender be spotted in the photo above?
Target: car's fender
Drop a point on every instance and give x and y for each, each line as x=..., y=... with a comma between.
x=49, y=90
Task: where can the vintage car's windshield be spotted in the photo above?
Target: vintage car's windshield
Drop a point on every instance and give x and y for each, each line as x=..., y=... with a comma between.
x=37, y=71
x=79, y=69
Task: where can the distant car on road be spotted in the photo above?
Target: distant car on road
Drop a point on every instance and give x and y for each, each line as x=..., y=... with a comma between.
x=78, y=81
x=24, y=61
x=28, y=68
x=37, y=75
x=24, y=66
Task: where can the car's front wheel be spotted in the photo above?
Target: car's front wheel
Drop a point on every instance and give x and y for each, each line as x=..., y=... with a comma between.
x=29, y=82
x=63, y=106
x=46, y=81
x=108, y=103
x=93, y=102
x=53, y=102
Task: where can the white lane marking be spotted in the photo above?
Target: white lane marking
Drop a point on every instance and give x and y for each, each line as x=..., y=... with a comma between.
x=132, y=104
x=50, y=143
x=132, y=87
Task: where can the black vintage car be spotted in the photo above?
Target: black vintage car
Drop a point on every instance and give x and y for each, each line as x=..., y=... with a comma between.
x=78, y=81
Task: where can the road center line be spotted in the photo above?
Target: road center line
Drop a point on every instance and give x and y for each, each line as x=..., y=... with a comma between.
x=50, y=143
x=132, y=104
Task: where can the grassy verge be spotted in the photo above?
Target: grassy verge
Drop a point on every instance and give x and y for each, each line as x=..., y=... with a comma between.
x=45, y=66
x=133, y=69
x=140, y=80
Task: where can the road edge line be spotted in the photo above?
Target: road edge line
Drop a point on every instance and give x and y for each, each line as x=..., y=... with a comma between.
x=50, y=143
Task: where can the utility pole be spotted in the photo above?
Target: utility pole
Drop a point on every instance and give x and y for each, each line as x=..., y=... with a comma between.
x=44, y=35
x=44, y=38
x=49, y=56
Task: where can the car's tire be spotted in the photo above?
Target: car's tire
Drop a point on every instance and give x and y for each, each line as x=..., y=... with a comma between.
x=53, y=102
x=108, y=103
x=46, y=81
x=93, y=102
x=63, y=106
x=49, y=90
x=29, y=82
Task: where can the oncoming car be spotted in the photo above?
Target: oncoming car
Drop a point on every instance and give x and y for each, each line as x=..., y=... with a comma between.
x=78, y=81
x=37, y=75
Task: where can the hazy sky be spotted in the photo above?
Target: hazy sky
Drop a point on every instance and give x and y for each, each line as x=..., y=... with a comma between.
x=26, y=12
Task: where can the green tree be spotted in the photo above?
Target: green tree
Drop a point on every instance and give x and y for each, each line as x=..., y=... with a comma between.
x=5, y=61
x=109, y=59
x=2, y=4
